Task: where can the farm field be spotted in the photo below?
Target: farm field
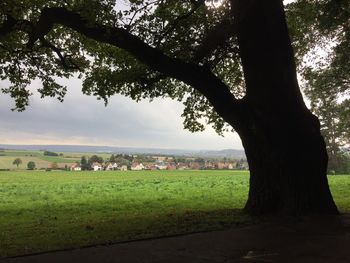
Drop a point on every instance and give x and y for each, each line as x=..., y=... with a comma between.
x=41, y=161
x=43, y=211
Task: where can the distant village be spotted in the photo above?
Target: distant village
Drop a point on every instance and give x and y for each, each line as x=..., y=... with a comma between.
x=143, y=162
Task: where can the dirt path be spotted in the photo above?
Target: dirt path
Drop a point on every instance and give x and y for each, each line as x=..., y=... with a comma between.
x=309, y=240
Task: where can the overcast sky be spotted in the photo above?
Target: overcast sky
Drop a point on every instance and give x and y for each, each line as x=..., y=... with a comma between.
x=84, y=120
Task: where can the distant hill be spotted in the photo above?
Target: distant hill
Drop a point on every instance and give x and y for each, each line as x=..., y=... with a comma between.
x=223, y=153
x=230, y=153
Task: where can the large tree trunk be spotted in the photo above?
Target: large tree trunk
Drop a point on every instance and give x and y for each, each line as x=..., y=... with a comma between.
x=287, y=170
x=286, y=153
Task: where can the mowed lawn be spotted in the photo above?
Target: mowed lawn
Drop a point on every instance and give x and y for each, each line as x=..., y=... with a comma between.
x=41, y=211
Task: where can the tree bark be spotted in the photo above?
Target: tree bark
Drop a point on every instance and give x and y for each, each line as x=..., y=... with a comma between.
x=286, y=153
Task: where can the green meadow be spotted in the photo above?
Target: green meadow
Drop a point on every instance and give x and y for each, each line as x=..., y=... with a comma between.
x=42, y=211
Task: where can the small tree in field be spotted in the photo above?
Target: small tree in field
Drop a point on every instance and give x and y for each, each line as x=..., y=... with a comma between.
x=31, y=165
x=84, y=163
x=17, y=162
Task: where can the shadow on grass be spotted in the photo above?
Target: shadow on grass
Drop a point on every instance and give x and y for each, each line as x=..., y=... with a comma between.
x=47, y=237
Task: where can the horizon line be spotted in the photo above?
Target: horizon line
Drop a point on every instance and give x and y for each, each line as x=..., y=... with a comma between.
x=113, y=146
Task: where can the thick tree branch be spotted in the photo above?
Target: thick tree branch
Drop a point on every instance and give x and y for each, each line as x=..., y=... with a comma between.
x=200, y=78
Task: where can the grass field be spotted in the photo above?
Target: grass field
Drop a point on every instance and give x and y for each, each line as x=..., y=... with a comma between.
x=42, y=211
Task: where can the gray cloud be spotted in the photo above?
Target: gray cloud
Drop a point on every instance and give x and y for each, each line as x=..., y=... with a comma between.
x=82, y=119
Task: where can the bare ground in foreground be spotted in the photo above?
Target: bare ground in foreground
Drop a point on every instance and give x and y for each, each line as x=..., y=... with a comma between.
x=311, y=239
